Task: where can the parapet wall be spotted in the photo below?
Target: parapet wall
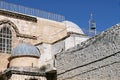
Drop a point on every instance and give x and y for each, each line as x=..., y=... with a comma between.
x=96, y=59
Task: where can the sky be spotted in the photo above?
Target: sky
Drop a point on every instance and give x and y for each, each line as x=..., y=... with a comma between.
x=106, y=13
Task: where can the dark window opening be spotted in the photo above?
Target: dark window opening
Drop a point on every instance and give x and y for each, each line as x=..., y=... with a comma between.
x=5, y=40
x=51, y=76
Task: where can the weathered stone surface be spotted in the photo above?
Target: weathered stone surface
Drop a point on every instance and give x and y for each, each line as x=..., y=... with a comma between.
x=33, y=29
x=97, y=58
x=4, y=61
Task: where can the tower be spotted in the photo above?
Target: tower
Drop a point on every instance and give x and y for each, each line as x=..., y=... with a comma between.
x=92, y=26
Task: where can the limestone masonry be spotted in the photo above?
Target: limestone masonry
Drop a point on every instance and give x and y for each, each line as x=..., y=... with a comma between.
x=39, y=48
x=98, y=58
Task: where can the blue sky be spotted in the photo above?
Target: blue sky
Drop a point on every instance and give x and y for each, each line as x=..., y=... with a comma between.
x=106, y=13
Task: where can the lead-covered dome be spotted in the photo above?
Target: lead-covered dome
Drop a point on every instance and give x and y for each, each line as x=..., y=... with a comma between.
x=72, y=27
x=25, y=49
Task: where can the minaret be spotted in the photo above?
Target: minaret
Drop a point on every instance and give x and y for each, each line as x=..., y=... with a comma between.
x=92, y=26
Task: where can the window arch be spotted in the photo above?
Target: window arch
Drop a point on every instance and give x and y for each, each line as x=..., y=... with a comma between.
x=5, y=40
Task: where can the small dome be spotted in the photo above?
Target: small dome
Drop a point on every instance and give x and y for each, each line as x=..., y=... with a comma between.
x=72, y=27
x=25, y=49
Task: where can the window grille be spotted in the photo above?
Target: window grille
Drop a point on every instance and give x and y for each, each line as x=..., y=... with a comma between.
x=5, y=40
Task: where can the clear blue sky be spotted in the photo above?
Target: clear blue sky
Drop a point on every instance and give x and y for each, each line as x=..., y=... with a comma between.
x=106, y=13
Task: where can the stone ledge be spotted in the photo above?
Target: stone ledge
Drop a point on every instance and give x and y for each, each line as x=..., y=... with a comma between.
x=17, y=15
x=24, y=71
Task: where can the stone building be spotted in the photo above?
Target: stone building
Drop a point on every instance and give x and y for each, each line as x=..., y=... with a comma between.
x=98, y=58
x=37, y=45
x=29, y=43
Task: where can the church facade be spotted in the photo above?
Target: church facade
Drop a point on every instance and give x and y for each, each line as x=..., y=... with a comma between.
x=45, y=46
x=28, y=45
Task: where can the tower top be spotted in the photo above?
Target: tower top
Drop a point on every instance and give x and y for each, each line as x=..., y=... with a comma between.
x=92, y=26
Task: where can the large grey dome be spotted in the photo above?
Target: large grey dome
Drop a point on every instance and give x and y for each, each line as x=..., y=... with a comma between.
x=25, y=49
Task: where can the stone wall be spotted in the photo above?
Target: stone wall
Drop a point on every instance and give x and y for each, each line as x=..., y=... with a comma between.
x=4, y=63
x=96, y=59
x=44, y=30
x=24, y=62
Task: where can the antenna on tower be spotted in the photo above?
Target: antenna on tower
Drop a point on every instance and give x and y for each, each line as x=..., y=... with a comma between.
x=92, y=26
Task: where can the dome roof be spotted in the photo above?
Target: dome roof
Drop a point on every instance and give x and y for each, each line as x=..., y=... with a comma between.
x=72, y=27
x=25, y=49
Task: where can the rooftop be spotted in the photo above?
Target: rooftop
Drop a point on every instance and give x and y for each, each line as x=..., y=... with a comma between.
x=30, y=11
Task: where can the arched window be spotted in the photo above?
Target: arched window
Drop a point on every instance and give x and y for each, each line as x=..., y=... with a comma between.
x=5, y=40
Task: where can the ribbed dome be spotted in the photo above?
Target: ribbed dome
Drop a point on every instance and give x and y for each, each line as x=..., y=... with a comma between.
x=72, y=27
x=25, y=49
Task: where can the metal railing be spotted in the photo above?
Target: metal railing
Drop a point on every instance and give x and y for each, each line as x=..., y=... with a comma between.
x=30, y=11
